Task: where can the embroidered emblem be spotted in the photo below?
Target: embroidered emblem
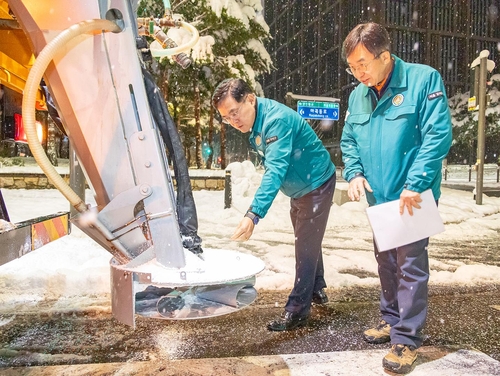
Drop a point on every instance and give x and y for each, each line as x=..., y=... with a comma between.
x=435, y=95
x=258, y=140
x=398, y=100
x=271, y=140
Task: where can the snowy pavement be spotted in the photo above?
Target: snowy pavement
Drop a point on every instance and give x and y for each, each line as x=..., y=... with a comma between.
x=72, y=273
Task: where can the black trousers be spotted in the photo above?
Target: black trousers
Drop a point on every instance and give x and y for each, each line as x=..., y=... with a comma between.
x=309, y=215
x=404, y=277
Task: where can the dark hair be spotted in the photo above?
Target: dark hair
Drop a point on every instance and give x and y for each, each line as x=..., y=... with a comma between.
x=373, y=36
x=235, y=87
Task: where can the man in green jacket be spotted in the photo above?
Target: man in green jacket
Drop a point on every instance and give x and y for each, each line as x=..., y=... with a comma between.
x=396, y=134
x=297, y=163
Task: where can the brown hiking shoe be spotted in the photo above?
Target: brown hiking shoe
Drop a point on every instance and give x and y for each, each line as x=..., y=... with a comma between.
x=380, y=334
x=400, y=359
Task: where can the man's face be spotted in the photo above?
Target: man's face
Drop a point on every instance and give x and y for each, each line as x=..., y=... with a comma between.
x=239, y=115
x=367, y=68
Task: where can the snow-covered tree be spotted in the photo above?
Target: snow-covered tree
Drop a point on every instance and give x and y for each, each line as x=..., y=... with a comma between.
x=232, y=35
x=465, y=124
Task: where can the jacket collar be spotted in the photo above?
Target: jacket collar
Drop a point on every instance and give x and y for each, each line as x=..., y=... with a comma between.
x=259, y=117
x=398, y=79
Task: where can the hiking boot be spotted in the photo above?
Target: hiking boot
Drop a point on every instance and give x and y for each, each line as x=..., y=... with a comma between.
x=380, y=334
x=400, y=359
x=288, y=321
x=319, y=297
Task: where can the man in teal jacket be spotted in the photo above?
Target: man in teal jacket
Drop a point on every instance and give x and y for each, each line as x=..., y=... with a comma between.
x=396, y=134
x=297, y=163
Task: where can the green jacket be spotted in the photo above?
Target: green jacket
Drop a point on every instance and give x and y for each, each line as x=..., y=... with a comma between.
x=294, y=158
x=400, y=140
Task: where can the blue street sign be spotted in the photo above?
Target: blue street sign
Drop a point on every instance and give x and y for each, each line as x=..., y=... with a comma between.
x=318, y=110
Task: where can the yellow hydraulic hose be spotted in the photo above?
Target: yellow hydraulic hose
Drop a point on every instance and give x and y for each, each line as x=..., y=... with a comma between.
x=29, y=100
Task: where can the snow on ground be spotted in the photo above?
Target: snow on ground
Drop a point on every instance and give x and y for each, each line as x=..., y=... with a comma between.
x=75, y=266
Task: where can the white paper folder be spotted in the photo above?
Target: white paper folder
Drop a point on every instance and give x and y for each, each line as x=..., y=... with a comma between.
x=392, y=230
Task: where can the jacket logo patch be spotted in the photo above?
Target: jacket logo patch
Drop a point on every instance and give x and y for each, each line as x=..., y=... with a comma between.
x=398, y=100
x=435, y=95
x=258, y=140
x=270, y=140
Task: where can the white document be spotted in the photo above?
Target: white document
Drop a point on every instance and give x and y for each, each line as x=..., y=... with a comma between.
x=392, y=230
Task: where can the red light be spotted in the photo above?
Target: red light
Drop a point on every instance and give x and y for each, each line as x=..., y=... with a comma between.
x=20, y=135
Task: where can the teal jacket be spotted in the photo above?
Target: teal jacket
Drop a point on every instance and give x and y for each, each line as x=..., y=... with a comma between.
x=400, y=140
x=294, y=158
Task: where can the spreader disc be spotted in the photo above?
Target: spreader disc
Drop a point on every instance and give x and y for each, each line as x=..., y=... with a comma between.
x=194, y=302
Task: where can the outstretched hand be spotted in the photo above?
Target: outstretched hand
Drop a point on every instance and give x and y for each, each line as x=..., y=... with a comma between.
x=244, y=230
x=357, y=187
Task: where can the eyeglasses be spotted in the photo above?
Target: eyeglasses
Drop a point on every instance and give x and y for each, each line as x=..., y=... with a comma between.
x=363, y=67
x=234, y=113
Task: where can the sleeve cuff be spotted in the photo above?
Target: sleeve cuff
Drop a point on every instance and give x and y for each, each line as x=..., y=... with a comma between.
x=357, y=175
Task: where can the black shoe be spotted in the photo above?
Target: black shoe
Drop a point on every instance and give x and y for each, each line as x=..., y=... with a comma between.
x=319, y=297
x=288, y=321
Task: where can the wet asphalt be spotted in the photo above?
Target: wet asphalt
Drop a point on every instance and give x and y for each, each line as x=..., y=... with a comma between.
x=464, y=317
x=460, y=316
